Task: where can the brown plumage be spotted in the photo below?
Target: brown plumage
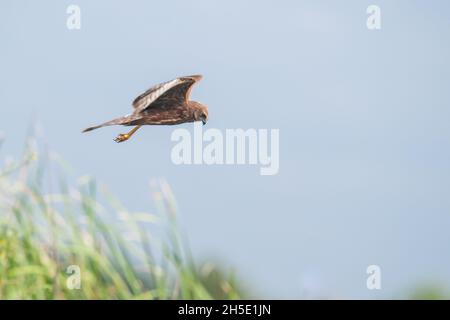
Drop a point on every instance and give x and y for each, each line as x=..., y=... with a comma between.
x=164, y=104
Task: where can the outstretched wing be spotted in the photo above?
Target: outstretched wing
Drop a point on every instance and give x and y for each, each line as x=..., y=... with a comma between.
x=167, y=94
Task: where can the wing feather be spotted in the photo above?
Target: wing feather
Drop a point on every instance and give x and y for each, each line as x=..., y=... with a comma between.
x=175, y=91
x=149, y=96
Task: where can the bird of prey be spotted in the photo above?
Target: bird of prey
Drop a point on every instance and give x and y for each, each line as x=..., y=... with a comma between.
x=164, y=104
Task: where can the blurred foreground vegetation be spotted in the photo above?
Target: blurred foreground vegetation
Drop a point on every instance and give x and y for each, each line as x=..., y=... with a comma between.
x=64, y=242
x=59, y=241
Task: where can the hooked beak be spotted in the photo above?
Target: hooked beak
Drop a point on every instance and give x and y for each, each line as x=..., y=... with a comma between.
x=204, y=121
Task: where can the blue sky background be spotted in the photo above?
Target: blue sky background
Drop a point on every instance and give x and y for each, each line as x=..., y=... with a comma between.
x=363, y=118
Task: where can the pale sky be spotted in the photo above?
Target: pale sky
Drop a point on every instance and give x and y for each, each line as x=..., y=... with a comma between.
x=363, y=118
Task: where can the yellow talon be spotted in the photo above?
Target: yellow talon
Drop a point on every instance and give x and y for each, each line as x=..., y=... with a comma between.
x=125, y=136
x=122, y=137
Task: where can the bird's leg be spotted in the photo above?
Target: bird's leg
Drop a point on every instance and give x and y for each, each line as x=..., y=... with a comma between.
x=124, y=137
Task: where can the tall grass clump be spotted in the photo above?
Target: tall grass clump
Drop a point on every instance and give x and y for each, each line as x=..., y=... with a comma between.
x=59, y=241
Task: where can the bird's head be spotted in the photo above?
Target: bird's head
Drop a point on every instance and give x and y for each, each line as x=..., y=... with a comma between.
x=200, y=112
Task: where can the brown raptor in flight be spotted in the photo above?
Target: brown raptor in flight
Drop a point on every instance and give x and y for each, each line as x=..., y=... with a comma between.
x=164, y=104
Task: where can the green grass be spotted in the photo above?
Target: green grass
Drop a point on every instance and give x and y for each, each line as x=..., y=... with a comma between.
x=49, y=228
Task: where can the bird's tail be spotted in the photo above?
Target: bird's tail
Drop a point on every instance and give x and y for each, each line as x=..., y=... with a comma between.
x=109, y=123
x=92, y=128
